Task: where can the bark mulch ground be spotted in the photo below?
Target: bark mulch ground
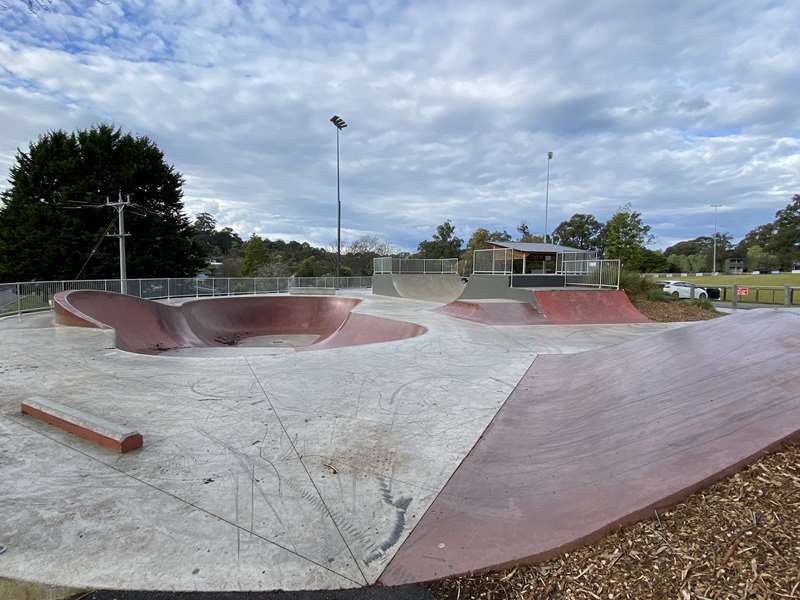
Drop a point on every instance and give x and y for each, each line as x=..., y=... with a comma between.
x=739, y=538
x=669, y=310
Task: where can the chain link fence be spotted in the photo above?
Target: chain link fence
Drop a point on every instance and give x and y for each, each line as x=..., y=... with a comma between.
x=30, y=296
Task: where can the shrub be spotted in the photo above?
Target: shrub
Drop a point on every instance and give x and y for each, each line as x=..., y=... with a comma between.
x=658, y=295
x=704, y=303
x=635, y=283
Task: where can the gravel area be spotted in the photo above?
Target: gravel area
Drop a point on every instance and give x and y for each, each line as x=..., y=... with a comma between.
x=739, y=538
x=670, y=311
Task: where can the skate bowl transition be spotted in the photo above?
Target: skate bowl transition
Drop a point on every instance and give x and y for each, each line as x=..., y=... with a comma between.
x=304, y=323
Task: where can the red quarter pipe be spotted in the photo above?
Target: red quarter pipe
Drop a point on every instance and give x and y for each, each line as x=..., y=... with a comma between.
x=149, y=327
x=556, y=307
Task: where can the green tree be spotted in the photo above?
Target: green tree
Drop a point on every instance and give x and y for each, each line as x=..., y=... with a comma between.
x=653, y=261
x=444, y=243
x=214, y=243
x=778, y=242
x=625, y=236
x=785, y=242
x=53, y=213
x=579, y=231
x=256, y=257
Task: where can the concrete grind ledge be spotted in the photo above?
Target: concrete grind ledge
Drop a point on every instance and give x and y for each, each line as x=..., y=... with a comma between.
x=89, y=427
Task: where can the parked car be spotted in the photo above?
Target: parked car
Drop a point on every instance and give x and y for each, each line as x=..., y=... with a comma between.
x=683, y=289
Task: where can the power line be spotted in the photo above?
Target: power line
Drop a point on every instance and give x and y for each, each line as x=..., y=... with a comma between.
x=96, y=246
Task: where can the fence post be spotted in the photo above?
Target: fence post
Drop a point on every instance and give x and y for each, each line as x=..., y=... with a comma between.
x=196, y=288
x=691, y=291
x=168, y=294
x=19, y=301
x=787, y=295
x=735, y=295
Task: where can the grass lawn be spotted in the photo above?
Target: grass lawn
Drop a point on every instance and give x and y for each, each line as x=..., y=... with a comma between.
x=753, y=282
x=781, y=279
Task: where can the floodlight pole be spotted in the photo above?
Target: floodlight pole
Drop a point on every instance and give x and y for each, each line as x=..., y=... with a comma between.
x=121, y=235
x=338, y=210
x=547, y=195
x=339, y=123
x=714, y=252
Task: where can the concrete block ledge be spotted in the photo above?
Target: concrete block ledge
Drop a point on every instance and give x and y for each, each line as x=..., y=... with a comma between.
x=84, y=425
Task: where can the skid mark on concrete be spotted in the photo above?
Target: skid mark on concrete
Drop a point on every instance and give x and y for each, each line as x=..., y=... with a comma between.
x=308, y=473
x=169, y=494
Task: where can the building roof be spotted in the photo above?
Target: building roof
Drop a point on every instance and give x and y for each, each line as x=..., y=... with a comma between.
x=538, y=248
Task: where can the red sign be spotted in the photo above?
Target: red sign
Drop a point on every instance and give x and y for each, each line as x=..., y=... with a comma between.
x=742, y=291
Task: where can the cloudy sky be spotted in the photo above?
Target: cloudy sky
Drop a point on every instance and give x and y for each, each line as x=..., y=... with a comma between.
x=669, y=105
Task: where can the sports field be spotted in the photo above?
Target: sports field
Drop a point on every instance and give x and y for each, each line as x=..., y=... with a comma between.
x=780, y=279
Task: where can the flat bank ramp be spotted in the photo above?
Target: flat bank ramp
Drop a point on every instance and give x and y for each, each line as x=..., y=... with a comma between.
x=591, y=441
x=431, y=287
x=568, y=307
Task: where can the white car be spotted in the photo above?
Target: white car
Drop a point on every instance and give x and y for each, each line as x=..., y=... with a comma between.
x=683, y=289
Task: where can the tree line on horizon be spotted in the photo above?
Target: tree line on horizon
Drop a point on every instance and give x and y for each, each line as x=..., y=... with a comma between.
x=54, y=221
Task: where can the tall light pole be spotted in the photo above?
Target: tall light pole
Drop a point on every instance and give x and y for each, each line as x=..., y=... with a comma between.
x=339, y=123
x=547, y=195
x=714, y=254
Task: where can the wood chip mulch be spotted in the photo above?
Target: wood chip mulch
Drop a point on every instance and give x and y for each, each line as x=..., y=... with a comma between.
x=739, y=538
x=671, y=311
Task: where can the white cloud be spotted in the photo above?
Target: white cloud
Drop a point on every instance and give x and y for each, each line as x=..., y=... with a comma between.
x=452, y=107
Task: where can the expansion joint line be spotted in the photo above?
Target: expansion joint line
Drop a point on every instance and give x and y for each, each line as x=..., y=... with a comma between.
x=305, y=468
x=182, y=500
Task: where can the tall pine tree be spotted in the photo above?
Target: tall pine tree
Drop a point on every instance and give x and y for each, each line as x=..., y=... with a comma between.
x=53, y=213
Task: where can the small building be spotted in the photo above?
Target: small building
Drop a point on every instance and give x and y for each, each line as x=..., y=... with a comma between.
x=536, y=257
x=532, y=264
x=733, y=266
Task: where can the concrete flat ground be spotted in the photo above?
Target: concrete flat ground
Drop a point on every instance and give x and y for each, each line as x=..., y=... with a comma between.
x=263, y=468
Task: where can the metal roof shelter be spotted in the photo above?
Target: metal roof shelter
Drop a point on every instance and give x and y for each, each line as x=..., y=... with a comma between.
x=535, y=248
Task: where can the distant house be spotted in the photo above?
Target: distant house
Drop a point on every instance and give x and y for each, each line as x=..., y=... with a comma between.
x=733, y=266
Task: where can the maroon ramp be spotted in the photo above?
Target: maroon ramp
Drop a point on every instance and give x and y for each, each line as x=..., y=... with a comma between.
x=494, y=313
x=590, y=441
x=149, y=327
x=573, y=307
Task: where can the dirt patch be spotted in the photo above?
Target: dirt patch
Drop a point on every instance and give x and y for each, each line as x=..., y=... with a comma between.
x=669, y=311
x=740, y=538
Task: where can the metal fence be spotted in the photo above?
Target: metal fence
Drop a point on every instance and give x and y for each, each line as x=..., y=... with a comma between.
x=30, y=296
x=578, y=268
x=750, y=294
x=599, y=273
x=493, y=261
x=433, y=266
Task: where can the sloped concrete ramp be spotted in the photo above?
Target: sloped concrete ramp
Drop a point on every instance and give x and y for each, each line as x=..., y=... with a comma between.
x=590, y=441
x=431, y=287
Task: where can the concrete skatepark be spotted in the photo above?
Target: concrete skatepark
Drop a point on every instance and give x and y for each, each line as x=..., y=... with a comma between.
x=412, y=443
